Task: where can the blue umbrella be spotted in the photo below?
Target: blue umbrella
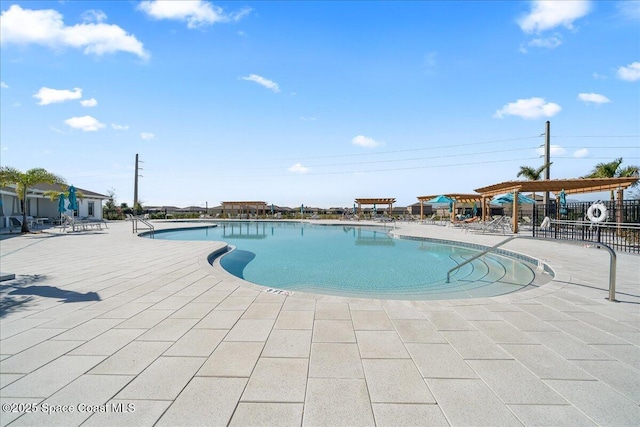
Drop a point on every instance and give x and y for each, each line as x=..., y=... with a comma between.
x=508, y=198
x=73, y=201
x=272, y=210
x=61, y=208
x=440, y=199
x=302, y=209
x=475, y=209
x=375, y=211
x=451, y=206
x=354, y=208
x=563, y=202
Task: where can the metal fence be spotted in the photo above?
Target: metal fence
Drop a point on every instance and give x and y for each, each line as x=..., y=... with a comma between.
x=620, y=230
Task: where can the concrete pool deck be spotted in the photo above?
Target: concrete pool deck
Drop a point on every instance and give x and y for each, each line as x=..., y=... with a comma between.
x=106, y=328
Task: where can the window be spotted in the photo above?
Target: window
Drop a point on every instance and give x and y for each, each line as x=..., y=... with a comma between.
x=91, y=207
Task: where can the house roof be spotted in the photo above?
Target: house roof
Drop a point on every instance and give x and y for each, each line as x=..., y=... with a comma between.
x=42, y=188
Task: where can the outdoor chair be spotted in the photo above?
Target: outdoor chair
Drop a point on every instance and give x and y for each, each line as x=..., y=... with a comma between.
x=15, y=224
x=431, y=219
x=495, y=225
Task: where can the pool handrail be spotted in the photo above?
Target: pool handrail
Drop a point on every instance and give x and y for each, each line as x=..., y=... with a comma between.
x=586, y=243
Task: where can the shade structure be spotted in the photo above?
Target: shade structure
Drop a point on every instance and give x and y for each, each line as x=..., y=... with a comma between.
x=73, y=200
x=508, y=198
x=440, y=199
x=61, y=208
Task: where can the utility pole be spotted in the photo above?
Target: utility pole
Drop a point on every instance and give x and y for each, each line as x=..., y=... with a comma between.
x=547, y=161
x=135, y=184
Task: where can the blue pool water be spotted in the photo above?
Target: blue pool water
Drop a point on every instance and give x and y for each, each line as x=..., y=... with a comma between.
x=356, y=261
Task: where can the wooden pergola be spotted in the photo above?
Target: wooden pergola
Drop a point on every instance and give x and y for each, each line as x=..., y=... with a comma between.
x=456, y=197
x=381, y=201
x=242, y=206
x=570, y=186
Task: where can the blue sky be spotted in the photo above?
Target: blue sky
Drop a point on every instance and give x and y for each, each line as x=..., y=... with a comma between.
x=315, y=102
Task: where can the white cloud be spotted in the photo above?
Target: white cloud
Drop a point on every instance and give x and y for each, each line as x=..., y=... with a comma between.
x=89, y=102
x=52, y=96
x=93, y=15
x=85, y=123
x=629, y=10
x=45, y=27
x=556, y=150
x=583, y=152
x=269, y=84
x=298, y=168
x=593, y=98
x=599, y=76
x=3, y=85
x=147, y=136
x=119, y=127
x=630, y=73
x=545, y=15
x=532, y=108
x=196, y=13
x=548, y=42
x=308, y=119
x=429, y=62
x=365, y=141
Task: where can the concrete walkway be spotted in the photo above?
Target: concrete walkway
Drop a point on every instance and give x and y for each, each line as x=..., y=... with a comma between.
x=106, y=328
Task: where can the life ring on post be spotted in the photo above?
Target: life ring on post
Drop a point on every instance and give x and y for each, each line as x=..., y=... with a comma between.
x=597, y=212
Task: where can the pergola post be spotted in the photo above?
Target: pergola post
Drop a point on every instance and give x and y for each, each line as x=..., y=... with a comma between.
x=421, y=209
x=620, y=207
x=514, y=218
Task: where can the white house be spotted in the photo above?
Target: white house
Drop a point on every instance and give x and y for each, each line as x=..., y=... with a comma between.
x=40, y=206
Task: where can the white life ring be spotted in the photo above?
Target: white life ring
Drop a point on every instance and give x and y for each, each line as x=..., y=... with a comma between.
x=602, y=212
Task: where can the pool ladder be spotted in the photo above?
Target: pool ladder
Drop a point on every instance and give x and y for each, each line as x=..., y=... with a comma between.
x=135, y=227
x=586, y=243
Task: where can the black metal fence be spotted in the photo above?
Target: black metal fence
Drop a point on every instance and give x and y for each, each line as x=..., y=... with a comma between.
x=620, y=229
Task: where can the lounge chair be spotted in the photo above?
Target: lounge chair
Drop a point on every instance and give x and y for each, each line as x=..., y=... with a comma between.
x=430, y=220
x=15, y=224
x=495, y=225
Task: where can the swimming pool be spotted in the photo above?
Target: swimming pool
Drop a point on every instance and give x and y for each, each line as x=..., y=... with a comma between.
x=357, y=261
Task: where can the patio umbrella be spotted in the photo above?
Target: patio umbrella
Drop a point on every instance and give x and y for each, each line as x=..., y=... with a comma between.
x=451, y=206
x=61, y=208
x=508, y=198
x=73, y=201
x=375, y=211
x=563, y=202
x=475, y=209
x=272, y=210
x=440, y=199
x=302, y=209
x=354, y=208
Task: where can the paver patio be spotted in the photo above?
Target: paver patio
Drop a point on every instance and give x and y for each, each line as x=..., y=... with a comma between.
x=123, y=330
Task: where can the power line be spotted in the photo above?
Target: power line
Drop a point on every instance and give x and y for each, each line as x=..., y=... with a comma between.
x=410, y=149
x=388, y=169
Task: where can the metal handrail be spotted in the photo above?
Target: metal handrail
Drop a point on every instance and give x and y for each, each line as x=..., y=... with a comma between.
x=586, y=243
x=134, y=224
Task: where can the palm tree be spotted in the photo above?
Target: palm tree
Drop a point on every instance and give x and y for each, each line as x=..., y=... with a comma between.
x=613, y=170
x=533, y=174
x=24, y=180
